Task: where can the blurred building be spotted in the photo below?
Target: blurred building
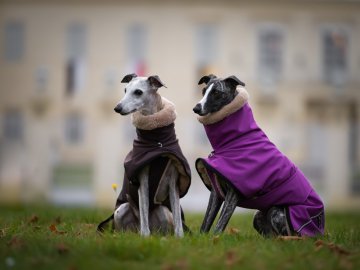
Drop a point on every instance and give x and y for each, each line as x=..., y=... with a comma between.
x=62, y=62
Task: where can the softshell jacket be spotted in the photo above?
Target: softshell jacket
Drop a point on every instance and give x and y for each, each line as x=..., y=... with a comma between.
x=156, y=145
x=264, y=177
x=155, y=148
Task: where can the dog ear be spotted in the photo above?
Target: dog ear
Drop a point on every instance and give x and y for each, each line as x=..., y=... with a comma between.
x=206, y=79
x=156, y=82
x=233, y=81
x=128, y=78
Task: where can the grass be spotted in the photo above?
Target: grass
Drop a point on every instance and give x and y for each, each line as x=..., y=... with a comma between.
x=28, y=242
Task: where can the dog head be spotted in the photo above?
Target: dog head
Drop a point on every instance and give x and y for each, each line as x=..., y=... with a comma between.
x=216, y=94
x=140, y=93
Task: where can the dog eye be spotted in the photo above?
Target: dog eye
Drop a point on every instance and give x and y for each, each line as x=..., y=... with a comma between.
x=138, y=92
x=217, y=93
x=125, y=90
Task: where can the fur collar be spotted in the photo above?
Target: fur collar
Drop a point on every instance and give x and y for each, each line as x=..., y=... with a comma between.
x=162, y=118
x=239, y=101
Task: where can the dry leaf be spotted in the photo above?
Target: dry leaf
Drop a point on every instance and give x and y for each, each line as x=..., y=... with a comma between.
x=35, y=228
x=2, y=233
x=231, y=258
x=182, y=264
x=167, y=266
x=33, y=219
x=62, y=248
x=16, y=243
x=233, y=230
x=53, y=229
x=332, y=247
x=290, y=238
x=216, y=239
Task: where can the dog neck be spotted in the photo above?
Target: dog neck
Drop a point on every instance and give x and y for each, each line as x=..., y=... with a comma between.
x=240, y=100
x=152, y=106
x=164, y=116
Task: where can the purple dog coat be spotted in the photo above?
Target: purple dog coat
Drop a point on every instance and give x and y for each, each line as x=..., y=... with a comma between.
x=245, y=157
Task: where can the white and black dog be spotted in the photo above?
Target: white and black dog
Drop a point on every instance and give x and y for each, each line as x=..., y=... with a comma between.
x=156, y=172
x=247, y=170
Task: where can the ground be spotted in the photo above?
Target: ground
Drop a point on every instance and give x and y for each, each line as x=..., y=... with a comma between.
x=39, y=237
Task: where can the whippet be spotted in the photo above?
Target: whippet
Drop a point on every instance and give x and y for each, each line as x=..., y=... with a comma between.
x=156, y=159
x=246, y=169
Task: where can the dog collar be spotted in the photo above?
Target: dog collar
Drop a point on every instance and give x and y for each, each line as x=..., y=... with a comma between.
x=240, y=100
x=162, y=118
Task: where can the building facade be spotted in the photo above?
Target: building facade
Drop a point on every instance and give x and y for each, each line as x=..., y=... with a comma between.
x=62, y=62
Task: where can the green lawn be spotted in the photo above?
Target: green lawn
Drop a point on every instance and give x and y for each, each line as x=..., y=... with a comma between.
x=28, y=242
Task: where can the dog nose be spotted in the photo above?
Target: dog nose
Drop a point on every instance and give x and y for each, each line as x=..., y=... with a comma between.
x=118, y=108
x=197, y=108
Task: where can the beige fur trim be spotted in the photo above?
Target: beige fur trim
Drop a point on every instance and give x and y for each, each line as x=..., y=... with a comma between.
x=162, y=118
x=239, y=101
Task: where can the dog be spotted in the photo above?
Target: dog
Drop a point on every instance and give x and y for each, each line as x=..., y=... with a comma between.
x=156, y=172
x=245, y=169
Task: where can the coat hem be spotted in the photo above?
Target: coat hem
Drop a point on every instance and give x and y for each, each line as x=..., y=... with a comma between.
x=207, y=166
x=164, y=154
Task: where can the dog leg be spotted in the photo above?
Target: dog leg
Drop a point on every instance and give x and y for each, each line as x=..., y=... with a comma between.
x=212, y=210
x=161, y=220
x=231, y=201
x=125, y=219
x=175, y=201
x=144, y=201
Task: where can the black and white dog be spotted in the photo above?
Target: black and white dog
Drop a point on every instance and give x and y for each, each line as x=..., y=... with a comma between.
x=247, y=170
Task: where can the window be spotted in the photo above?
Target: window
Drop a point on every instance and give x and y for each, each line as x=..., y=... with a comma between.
x=72, y=184
x=14, y=41
x=75, y=62
x=41, y=79
x=271, y=50
x=335, y=47
x=136, y=49
x=74, y=129
x=13, y=125
x=206, y=49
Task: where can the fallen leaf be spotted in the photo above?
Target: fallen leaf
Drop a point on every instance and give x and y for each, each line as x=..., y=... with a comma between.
x=233, y=231
x=319, y=244
x=33, y=219
x=62, y=248
x=2, y=233
x=182, y=264
x=16, y=243
x=231, y=258
x=216, y=239
x=53, y=229
x=167, y=266
x=35, y=228
x=290, y=238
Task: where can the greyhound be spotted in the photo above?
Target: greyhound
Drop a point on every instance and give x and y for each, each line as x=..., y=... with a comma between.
x=141, y=99
x=246, y=169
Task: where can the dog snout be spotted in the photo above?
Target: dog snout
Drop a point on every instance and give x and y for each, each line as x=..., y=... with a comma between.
x=118, y=108
x=197, y=108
